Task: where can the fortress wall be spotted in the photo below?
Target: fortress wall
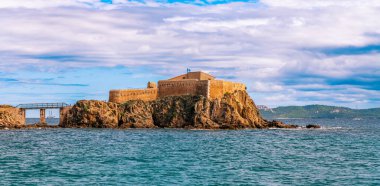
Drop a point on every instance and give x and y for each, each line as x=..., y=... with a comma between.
x=182, y=87
x=121, y=96
x=230, y=87
x=208, y=88
x=216, y=89
x=203, y=88
x=219, y=87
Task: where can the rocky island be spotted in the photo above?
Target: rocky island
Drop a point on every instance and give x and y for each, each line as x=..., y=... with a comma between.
x=193, y=101
x=233, y=111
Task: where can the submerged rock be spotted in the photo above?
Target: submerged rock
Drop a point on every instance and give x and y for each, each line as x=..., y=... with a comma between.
x=279, y=124
x=11, y=117
x=234, y=111
x=313, y=126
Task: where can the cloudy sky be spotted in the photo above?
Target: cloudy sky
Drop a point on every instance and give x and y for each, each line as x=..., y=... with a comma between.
x=288, y=52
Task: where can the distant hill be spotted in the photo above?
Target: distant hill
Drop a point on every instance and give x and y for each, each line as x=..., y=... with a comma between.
x=318, y=111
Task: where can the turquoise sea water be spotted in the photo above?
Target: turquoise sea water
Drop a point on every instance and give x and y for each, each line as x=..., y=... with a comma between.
x=344, y=152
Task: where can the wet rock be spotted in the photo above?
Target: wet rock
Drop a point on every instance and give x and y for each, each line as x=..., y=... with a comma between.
x=313, y=126
x=279, y=124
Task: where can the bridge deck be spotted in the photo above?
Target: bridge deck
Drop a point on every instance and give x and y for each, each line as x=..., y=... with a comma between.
x=42, y=105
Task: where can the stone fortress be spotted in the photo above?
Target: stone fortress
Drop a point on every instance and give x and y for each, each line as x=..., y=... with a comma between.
x=191, y=83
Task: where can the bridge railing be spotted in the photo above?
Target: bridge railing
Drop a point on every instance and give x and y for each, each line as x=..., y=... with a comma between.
x=42, y=105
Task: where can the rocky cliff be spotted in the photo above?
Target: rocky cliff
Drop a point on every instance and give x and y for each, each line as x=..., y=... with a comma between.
x=11, y=117
x=91, y=113
x=233, y=111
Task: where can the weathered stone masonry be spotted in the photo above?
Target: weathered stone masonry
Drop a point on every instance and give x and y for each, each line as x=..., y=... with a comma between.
x=182, y=87
x=192, y=83
x=121, y=96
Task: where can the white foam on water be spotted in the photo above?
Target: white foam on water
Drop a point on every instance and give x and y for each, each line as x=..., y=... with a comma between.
x=304, y=128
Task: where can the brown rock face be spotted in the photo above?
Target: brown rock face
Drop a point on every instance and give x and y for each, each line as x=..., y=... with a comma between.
x=233, y=111
x=136, y=114
x=175, y=111
x=91, y=113
x=11, y=117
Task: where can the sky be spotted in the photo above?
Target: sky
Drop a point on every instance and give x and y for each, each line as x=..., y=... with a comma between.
x=288, y=52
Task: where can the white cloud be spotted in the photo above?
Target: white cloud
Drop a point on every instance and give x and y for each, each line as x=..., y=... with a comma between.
x=213, y=26
x=258, y=86
x=263, y=46
x=302, y=4
x=46, y=4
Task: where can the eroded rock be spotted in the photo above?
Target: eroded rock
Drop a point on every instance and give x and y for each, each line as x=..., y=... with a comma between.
x=11, y=117
x=234, y=111
x=136, y=114
x=92, y=113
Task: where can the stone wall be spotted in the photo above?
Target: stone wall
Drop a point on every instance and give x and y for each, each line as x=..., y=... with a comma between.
x=151, y=85
x=121, y=96
x=219, y=87
x=216, y=89
x=183, y=87
x=230, y=87
x=208, y=88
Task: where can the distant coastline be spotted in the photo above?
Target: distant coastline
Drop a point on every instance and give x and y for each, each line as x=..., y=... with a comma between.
x=317, y=111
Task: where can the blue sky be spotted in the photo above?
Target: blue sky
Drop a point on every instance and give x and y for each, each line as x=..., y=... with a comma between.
x=288, y=52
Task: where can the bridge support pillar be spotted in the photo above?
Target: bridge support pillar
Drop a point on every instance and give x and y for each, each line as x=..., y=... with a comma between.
x=42, y=116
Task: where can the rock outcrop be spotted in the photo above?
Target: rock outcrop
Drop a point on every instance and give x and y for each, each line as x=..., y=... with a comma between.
x=234, y=111
x=11, y=117
x=93, y=114
x=136, y=114
x=313, y=126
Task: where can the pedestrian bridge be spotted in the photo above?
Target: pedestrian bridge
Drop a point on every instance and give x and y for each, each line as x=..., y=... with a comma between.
x=42, y=107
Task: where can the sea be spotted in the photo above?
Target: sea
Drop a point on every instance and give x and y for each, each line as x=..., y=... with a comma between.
x=342, y=152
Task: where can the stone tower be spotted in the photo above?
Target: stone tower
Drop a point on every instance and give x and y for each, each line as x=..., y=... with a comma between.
x=151, y=85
